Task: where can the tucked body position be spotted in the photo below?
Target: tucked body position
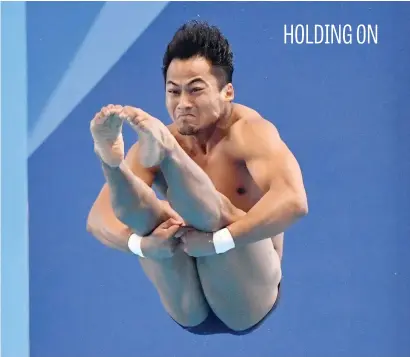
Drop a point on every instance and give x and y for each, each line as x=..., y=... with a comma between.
x=212, y=245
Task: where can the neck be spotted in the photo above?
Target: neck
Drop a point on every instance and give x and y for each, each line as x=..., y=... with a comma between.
x=207, y=138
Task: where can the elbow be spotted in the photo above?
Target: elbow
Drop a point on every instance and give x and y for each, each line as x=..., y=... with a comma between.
x=300, y=206
x=94, y=229
x=91, y=225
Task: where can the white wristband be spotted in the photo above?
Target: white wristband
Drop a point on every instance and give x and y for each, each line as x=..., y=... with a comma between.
x=223, y=241
x=134, y=244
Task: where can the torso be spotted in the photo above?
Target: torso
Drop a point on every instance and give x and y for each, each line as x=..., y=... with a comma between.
x=230, y=176
x=225, y=168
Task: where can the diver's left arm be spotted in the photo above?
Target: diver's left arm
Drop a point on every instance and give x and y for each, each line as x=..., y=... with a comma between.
x=276, y=171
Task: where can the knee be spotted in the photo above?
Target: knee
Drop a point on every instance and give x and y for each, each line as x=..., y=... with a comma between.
x=246, y=325
x=190, y=318
x=240, y=327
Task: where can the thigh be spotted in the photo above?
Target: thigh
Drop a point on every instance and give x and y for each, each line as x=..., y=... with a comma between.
x=241, y=286
x=177, y=283
x=278, y=244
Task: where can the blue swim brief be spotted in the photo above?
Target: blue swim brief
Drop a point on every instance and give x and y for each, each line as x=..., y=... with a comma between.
x=212, y=325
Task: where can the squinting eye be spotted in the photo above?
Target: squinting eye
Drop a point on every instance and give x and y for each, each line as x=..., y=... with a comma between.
x=172, y=91
x=196, y=89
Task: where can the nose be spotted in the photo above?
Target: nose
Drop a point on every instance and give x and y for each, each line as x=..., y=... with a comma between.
x=184, y=101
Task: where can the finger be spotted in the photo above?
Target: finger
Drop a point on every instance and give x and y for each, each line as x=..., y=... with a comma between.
x=170, y=222
x=173, y=230
x=172, y=212
x=167, y=224
x=176, y=221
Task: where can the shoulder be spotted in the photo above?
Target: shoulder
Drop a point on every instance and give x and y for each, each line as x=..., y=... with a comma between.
x=252, y=131
x=249, y=123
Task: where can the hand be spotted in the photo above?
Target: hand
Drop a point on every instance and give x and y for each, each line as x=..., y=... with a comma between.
x=196, y=243
x=106, y=130
x=161, y=243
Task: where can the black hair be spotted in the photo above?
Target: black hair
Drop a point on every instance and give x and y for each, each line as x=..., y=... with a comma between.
x=197, y=38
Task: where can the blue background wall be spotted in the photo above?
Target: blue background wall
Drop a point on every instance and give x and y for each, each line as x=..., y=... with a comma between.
x=343, y=110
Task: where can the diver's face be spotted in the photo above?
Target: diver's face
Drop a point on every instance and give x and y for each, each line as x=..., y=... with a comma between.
x=193, y=97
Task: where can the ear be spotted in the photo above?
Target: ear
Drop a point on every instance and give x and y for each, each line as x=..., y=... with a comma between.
x=228, y=93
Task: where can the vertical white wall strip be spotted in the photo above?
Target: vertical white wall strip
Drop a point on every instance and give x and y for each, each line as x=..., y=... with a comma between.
x=14, y=229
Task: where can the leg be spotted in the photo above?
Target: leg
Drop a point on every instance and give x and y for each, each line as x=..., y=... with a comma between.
x=190, y=190
x=127, y=203
x=127, y=184
x=278, y=244
x=134, y=203
x=177, y=283
x=241, y=286
x=175, y=279
x=193, y=195
x=252, y=272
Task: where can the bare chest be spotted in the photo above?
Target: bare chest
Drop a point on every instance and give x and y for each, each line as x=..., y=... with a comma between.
x=230, y=177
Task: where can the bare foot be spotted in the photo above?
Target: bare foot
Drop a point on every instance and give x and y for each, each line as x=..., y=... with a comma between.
x=156, y=141
x=106, y=130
